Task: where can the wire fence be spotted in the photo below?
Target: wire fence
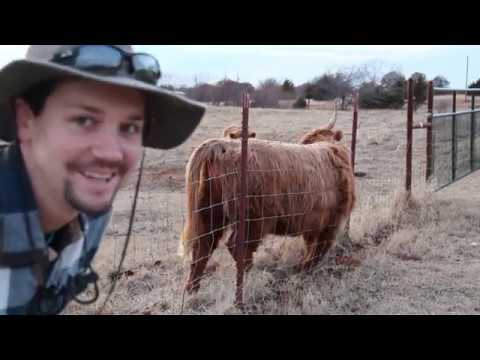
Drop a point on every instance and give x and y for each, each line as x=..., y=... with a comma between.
x=456, y=151
x=290, y=215
x=455, y=136
x=305, y=201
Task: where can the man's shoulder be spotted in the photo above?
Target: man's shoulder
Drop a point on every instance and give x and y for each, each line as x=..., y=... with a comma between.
x=12, y=186
x=4, y=147
x=6, y=152
x=6, y=169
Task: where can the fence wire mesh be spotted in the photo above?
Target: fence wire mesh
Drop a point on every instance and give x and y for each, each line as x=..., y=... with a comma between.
x=455, y=145
x=152, y=262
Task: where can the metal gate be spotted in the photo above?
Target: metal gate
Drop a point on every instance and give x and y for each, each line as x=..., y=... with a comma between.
x=454, y=139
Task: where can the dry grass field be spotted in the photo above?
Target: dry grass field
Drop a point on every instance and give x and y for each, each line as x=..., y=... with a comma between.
x=420, y=256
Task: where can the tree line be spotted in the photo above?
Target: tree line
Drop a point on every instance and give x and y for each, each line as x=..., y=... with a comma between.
x=387, y=91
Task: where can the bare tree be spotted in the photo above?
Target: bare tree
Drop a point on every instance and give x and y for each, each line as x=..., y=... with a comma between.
x=419, y=89
x=268, y=94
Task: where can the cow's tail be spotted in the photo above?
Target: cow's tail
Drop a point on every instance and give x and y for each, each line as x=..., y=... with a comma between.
x=201, y=190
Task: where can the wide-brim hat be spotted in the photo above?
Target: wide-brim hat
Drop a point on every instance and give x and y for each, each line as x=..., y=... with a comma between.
x=171, y=118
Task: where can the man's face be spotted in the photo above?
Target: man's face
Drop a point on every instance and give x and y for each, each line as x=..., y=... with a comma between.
x=84, y=143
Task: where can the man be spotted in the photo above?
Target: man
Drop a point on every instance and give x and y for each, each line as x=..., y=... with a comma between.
x=76, y=117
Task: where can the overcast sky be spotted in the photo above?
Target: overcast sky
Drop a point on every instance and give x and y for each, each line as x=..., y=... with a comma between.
x=182, y=64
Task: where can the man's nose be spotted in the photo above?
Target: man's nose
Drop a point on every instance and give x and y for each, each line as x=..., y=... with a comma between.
x=108, y=147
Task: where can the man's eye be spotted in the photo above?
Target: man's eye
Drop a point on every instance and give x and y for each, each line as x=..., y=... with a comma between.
x=131, y=129
x=84, y=121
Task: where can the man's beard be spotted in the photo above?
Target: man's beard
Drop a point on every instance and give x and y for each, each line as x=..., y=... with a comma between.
x=75, y=201
x=79, y=205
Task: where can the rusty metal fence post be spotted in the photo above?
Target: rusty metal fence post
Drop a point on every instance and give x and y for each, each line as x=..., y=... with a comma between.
x=472, y=135
x=408, y=176
x=240, y=245
x=354, y=131
x=429, y=170
x=354, y=145
x=454, y=136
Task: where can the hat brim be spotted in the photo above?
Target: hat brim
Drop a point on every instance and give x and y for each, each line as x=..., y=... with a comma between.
x=171, y=118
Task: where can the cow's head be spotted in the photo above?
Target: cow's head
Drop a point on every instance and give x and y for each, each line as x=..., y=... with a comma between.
x=325, y=133
x=235, y=132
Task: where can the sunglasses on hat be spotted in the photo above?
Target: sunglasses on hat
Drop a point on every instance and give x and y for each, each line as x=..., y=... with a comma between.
x=110, y=60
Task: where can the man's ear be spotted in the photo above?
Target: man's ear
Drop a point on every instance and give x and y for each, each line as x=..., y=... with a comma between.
x=23, y=117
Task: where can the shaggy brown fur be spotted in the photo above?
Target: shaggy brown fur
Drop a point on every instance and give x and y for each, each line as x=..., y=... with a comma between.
x=293, y=190
x=321, y=135
x=235, y=132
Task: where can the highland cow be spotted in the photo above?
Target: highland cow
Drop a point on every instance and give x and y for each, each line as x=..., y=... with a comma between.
x=235, y=132
x=293, y=189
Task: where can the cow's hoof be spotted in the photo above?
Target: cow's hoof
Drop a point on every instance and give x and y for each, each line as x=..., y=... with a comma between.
x=303, y=268
x=192, y=287
x=298, y=269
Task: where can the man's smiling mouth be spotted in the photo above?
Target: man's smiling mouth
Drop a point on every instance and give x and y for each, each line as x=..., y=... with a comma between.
x=98, y=176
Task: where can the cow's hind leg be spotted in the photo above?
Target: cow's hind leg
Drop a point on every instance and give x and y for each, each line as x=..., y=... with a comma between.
x=251, y=245
x=317, y=246
x=202, y=249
